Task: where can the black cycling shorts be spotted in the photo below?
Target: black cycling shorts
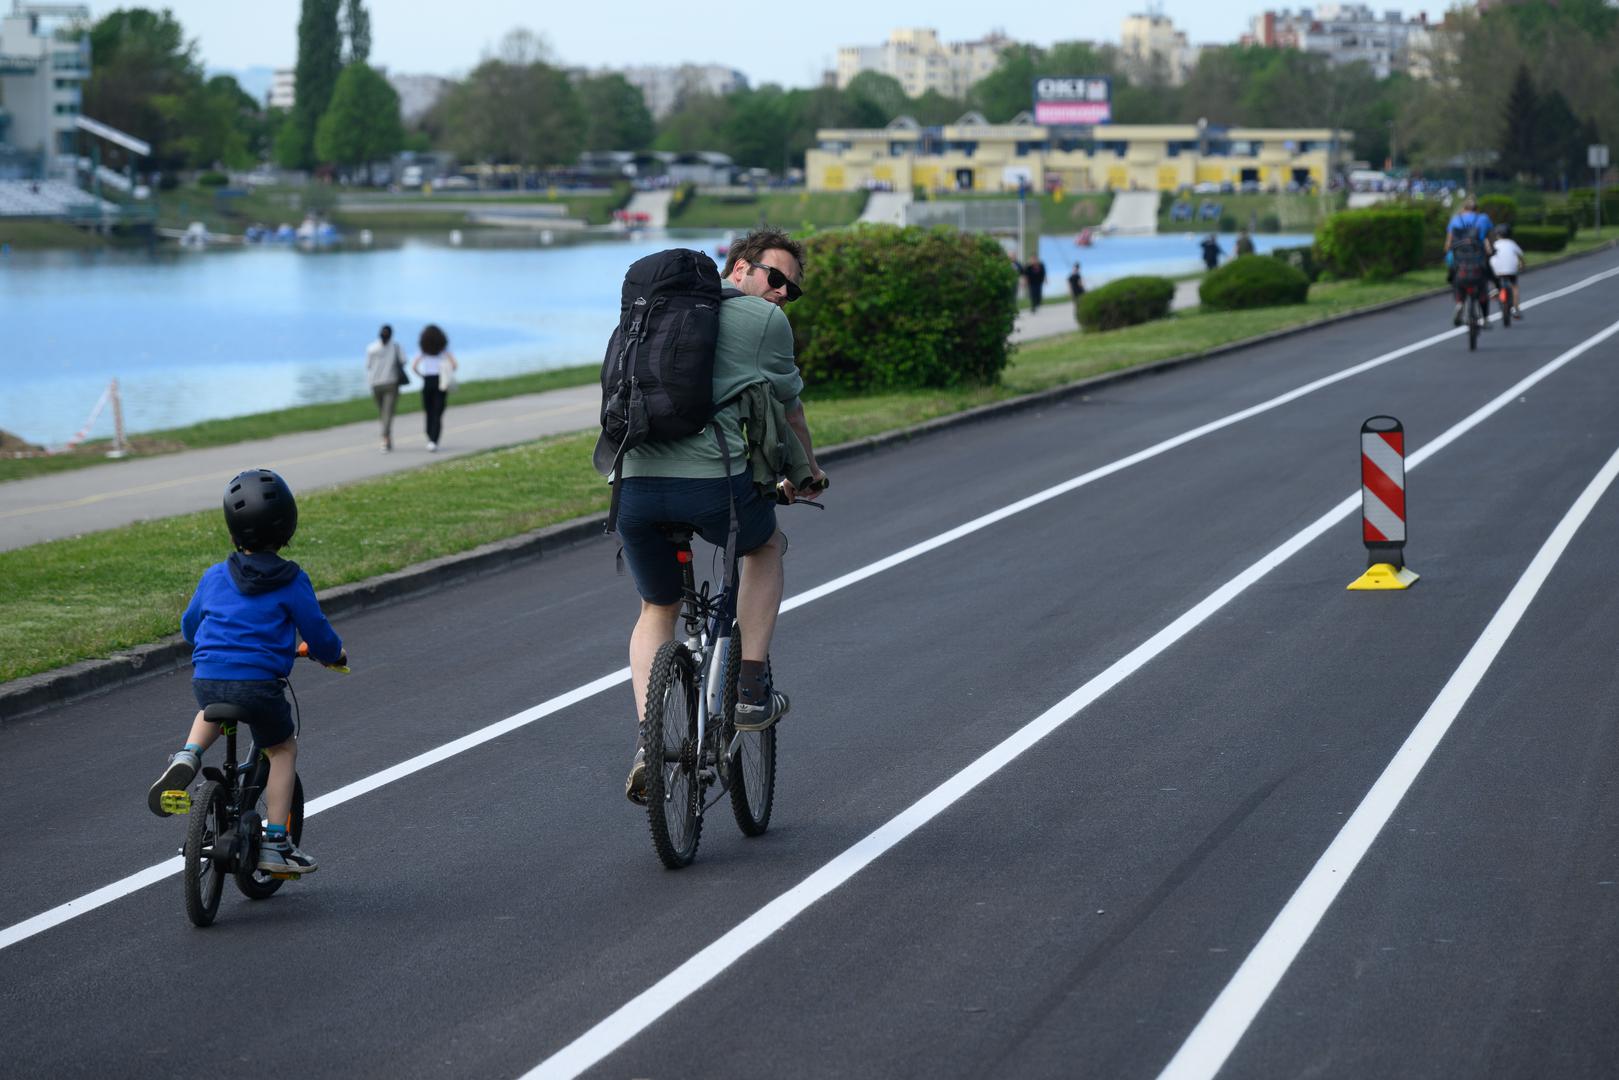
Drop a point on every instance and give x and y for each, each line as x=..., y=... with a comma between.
x=644, y=502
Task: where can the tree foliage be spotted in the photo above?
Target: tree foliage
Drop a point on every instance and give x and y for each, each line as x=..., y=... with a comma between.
x=515, y=108
x=616, y=116
x=142, y=72
x=357, y=30
x=361, y=125
x=320, y=61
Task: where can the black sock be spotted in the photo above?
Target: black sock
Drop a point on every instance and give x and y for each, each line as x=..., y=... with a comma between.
x=751, y=683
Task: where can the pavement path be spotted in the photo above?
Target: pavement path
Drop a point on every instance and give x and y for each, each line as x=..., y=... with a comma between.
x=119, y=493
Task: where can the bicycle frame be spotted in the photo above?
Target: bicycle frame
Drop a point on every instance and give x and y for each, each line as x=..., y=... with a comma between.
x=243, y=782
x=707, y=620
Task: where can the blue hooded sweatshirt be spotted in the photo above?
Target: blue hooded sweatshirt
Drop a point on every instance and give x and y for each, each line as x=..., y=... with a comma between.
x=244, y=619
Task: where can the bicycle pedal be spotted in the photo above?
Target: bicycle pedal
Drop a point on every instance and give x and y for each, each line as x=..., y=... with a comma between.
x=175, y=802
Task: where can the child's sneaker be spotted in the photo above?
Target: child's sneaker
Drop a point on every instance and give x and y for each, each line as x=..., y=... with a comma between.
x=635, y=783
x=177, y=777
x=283, y=857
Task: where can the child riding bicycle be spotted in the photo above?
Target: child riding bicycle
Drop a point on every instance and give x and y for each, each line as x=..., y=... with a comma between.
x=241, y=623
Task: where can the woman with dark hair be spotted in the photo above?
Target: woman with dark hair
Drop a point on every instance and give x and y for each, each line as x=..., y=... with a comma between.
x=436, y=365
x=385, y=372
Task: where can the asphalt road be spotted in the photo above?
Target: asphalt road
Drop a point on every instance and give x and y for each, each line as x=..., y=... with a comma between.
x=1099, y=785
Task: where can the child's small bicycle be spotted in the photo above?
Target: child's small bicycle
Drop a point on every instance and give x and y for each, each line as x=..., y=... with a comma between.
x=226, y=817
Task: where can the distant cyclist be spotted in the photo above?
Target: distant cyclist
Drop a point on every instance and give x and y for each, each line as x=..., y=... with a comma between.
x=1467, y=251
x=684, y=480
x=1507, y=264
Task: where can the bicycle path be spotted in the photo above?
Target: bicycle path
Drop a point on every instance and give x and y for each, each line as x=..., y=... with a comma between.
x=120, y=493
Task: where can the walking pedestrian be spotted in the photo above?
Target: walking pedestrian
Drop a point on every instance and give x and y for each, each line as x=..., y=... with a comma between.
x=1245, y=243
x=436, y=365
x=385, y=372
x=1076, y=284
x=1212, y=251
x=1035, y=274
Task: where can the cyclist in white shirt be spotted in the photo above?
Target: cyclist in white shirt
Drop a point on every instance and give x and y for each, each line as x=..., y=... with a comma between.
x=1506, y=260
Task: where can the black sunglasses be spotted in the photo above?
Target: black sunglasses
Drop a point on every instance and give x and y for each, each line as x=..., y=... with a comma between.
x=776, y=279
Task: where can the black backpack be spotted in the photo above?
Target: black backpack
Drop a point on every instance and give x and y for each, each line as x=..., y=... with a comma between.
x=1467, y=256
x=658, y=374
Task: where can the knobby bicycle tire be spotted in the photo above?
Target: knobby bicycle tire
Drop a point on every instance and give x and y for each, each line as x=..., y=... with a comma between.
x=752, y=769
x=1472, y=324
x=259, y=886
x=204, y=878
x=673, y=793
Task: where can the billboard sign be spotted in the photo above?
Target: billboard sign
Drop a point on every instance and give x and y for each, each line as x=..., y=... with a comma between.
x=1073, y=99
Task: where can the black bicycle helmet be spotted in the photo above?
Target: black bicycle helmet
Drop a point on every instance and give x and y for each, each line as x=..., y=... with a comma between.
x=260, y=511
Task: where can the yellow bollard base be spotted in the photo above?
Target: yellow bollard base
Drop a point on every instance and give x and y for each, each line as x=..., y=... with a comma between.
x=1385, y=576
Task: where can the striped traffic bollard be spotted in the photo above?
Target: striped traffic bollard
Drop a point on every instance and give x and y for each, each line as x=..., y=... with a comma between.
x=1382, y=505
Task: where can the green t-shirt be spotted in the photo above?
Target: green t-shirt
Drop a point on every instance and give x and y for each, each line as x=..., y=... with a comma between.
x=755, y=343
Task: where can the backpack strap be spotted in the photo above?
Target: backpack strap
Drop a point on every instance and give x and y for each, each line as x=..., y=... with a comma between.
x=734, y=527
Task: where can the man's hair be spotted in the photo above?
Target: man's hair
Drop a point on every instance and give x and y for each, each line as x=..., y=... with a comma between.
x=1470, y=203
x=386, y=333
x=433, y=340
x=760, y=240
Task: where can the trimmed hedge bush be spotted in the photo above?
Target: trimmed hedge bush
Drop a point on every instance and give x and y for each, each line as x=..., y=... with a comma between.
x=1302, y=259
x=890, y=308
x=1253, y=281
x=1372, y=244
x=212, y=179
x=1540, y=237
x=1125, y=302
x=1500, y=209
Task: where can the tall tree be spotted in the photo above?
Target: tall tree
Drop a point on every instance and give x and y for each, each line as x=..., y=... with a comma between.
x=616, y=116
x=320, y=60
x=357, y=29
x=142, y=71
x=362, y=124
x=516, y=108
x=1521, y=144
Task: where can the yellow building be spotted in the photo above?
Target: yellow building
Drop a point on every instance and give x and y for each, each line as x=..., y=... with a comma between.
x=972, y=155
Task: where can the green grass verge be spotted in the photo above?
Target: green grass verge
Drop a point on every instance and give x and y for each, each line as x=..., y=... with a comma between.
x=90, y=596
x=793, y=210
x=28, y=235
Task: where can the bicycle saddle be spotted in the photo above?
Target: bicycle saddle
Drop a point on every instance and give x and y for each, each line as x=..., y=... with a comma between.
x=221, y=712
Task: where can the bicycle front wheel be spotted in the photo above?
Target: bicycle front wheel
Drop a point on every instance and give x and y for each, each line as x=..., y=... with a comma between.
x=673, y=792
x=204, y=877
x=753, y=766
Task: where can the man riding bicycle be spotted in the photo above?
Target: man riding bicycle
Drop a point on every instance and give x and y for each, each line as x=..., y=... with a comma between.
x=1467, y=252
x=685, y=480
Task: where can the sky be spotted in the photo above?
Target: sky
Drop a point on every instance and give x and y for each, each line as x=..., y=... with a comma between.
x=786, y=43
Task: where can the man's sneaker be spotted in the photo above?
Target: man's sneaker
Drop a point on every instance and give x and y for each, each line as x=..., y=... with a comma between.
x=763, y=715
x=1517, y=313
x=1456, y=319
x=635, y=783
x=182, y=769
x=283, y=857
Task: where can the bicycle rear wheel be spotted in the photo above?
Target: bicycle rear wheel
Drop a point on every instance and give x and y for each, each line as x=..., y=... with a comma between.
x=204, y=878
x=673, y=793
x=254, y=883
x=1472, y=323
x=1506, y=310
x=752, y=768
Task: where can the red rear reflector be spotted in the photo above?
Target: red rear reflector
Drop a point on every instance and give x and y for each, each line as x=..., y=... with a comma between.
x=683, y=556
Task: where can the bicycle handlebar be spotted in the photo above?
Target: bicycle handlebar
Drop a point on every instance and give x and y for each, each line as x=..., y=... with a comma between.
x=341, y=668
x=812, y=488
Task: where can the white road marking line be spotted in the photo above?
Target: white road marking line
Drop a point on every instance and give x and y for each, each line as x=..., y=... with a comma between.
x=647, y=1007
x=62, y=913
x=1211, y=1042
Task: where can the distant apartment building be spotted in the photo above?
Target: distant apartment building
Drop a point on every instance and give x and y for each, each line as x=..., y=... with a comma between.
x=1151, y=49
x=663, y=87
x=1347, y=34
x=417, y=94
x=921, y=62
x=283, y=89
x=44, y=63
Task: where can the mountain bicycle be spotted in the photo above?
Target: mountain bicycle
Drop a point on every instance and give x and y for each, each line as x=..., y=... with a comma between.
x=1475, y=315
x=694, y=754
x=226, y=817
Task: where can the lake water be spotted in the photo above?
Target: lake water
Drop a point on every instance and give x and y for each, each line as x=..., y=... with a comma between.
x=196, y=335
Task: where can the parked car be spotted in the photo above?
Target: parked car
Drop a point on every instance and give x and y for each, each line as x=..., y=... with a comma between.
x=453, y=183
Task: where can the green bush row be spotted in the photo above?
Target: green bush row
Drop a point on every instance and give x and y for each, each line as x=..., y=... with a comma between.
x=1253, y=281
x=1125, y=302
x=889, y=308
x=1376, y=244
x=1303, y=259
x=1540, y=237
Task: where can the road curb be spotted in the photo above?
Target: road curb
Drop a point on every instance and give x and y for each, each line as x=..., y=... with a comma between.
x=62, y=686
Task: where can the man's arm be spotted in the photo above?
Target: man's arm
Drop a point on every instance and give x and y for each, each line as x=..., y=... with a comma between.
x=800, y=425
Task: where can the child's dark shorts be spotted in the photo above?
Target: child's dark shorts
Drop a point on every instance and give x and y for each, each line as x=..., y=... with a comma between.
x=647, y=501
x=264, y=699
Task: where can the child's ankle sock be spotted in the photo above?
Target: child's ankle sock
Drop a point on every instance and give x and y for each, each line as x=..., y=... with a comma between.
x=194, y=748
